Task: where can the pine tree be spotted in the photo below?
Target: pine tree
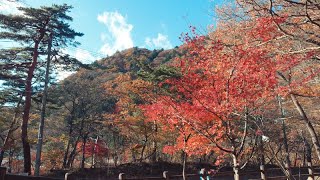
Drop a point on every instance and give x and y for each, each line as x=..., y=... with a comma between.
x=32, y=29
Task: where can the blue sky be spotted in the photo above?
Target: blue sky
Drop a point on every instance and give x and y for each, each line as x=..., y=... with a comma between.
x=111, y=25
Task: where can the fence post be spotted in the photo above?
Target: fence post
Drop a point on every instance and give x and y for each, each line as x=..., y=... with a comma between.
x=166, y=175
x=122, y=176
x=310, y=171
x=262, y=172
x=203, y=174
x=3, y=171
x=67, y=176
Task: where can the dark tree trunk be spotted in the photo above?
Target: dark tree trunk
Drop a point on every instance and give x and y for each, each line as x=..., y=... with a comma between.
x=65, y=157
x=66, y=153
x=24, y=126
x=142, y=152
x=10, y=160
x=27, y=104
x=72, y=154
x=143, y=147
x=26, y=112
x=1, y=156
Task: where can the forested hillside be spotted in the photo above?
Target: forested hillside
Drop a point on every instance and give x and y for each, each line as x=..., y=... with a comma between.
x=245, y=94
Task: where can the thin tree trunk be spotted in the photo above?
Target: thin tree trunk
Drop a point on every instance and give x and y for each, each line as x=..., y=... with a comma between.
x=92, y=157
x=10, y=160
x=142, y=152
x=308, y=123
x=262, y=160
x=309, y=159
x=236, y=168
x=43, y=110
x=287, y=163
x=66, y=153
x=94, y=152
x=154, y=143
x=184, y=156
x=65, y=157
x=295, y=160
x=73, y=153
x=304, y=156
x=144, y=146
x=115, y=155
x=1, y=155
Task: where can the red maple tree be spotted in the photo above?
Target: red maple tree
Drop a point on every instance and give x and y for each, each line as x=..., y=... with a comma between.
x=225, y=82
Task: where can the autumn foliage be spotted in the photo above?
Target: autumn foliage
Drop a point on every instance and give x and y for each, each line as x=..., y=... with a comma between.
x=93, y=148
x=241, y=94
x=225, y=82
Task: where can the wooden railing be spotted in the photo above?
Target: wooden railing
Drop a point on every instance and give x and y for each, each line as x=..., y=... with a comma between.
x=271, y=174
x=5, y=176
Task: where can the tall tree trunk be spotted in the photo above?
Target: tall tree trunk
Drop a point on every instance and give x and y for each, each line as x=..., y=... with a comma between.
x=27, y=104
x=26, y=112
x=287, y=163
x=308, y=123
x=24, y=125
x=43, y=110
x=11, y=129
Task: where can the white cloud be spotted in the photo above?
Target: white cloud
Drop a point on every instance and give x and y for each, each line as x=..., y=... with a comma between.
x=10, y=7
x=118, y=36
x=161, y=41
x=61, y=74
x=84, y=56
